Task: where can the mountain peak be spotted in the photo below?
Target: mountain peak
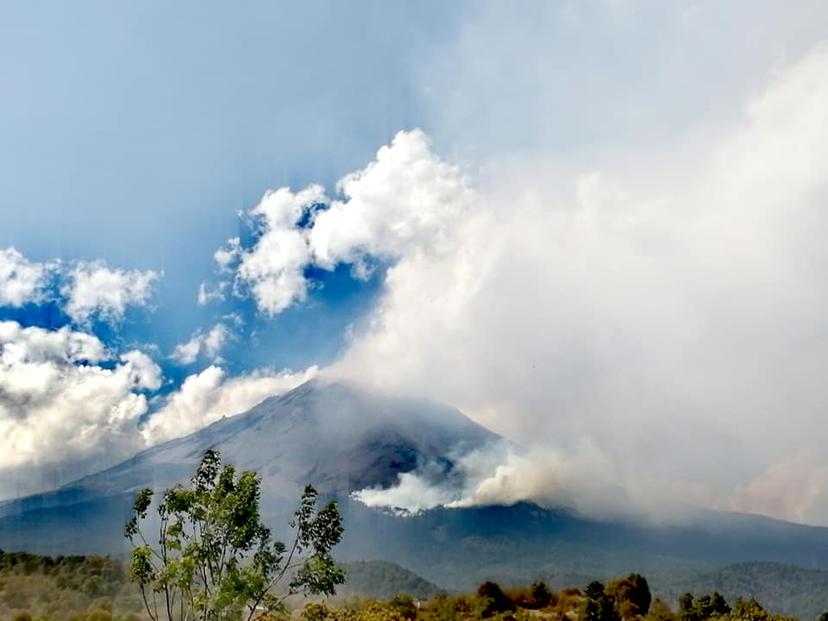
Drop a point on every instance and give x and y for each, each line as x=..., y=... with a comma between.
x=334, y=434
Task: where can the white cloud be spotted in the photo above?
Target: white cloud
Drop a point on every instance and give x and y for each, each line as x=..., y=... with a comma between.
x=210, y=395
x=208, y=293
x=666, y=307
x=22, y=281
x=227, y=255
x=94, y=289
x=70, y=406
x=406, y=201
x=86, y=289
x=207, y=344
x=273, y=268
x=67, y=405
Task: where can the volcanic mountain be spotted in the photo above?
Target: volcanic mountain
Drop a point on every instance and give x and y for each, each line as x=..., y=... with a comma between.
x=333, y=435
x=342, y=438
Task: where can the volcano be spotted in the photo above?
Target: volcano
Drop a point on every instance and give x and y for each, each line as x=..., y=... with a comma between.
x=342, y=438
x=334, y=435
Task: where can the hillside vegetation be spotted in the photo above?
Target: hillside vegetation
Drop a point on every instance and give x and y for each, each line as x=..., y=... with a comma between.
x=65, y=588
x=623, y=599
x=94, y=588
x=384, y=580
x=78, y=588
x=783, y=588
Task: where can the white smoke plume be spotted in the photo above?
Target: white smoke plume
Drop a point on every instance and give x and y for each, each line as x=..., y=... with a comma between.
x=666, y=310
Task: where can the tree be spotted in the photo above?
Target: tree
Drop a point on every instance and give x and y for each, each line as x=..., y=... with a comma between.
x=404, y=605
x=660, y=611
x=594, y=590
x=540, y=595
x=752, y=610
x=704, y=607
x=493, y=600
x=600, y=606
x=215, y=560
x=632, y=595
x=718, y=604
x=687, y=608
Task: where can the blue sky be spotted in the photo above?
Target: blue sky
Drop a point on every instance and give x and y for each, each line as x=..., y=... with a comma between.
x=134, y=133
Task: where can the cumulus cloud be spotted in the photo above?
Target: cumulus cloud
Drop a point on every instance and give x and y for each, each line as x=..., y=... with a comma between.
x=22, y=281
x=67, y=405
x=70, y=406
x=274, y=268
x=95, y=289
x=404, y=202
x=666, y=309
x=202, y=344
x=83, y=288
x=211, y=395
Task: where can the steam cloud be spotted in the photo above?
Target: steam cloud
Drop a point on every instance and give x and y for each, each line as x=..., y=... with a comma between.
x=669, y=314
x=665, y=312
x=584, y=479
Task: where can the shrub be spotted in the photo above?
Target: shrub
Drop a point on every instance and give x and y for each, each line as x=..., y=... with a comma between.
x=632, y=595
x=540, y=595
x=405, y=606
x=751, y=610
x=492, y=600
x=446, y=608
x=700, y=608
x=315, y=612
x=660, y=611
x=599, y=606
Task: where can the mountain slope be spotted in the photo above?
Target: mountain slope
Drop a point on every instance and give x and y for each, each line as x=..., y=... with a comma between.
x=333, y=435
x=458, y=548
x=384, y=580
x=781, y=588
x=330, y=434
x=341, y=439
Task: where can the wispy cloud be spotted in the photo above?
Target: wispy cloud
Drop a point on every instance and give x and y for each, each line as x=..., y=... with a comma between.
x=202, y=344
x=22, y=281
